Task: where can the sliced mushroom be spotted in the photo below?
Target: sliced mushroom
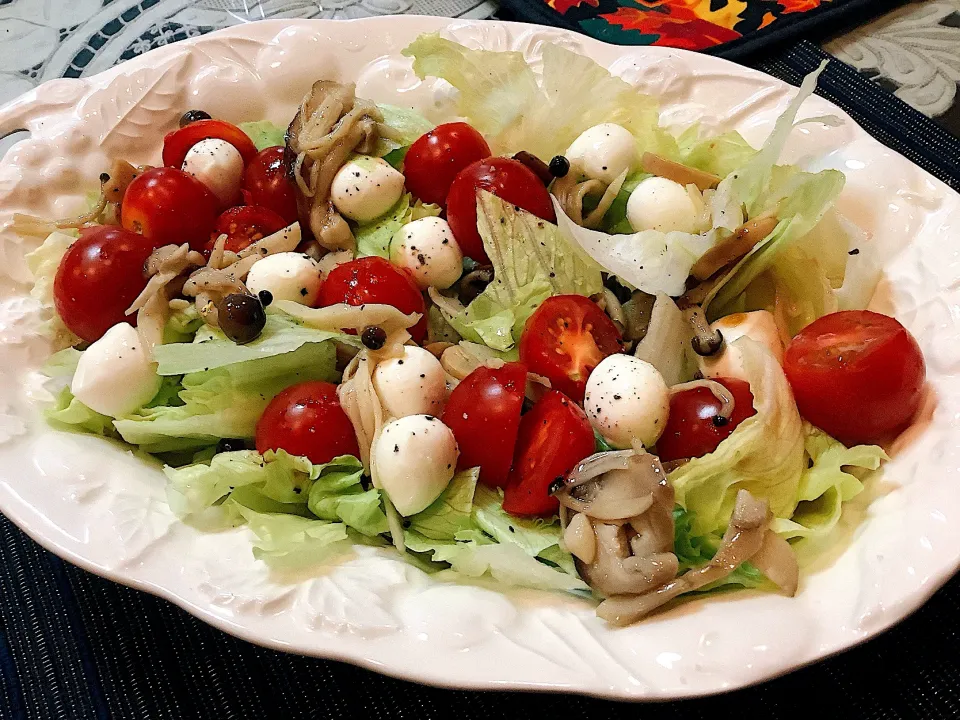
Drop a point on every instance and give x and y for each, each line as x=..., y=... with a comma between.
x=731, y=249
x=743, y=540
x=614, y=571
x=574, y=188
x=612, y=486
x=637, y=314
x=166, y=267
x=331, y=124
x=679, y=173
x=580, y=539
x=474, y=283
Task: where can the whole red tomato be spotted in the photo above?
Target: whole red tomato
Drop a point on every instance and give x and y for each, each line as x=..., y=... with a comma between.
x=374, y=280
x=267, y=183
x=307, y=420
x=554, y=436
x=693, y=429
x=857, y=375
x=168, y=206
x=98, y=278
x=565, y=339
x=506, y=178
x=437, y=157
x=484, y=414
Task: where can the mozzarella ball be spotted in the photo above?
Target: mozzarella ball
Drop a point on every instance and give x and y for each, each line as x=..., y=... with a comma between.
x=416, y=457
x=661, y=204
x=413, y=384
x=218, y=165
x=428, y=250
x=116, y=375
x=760, y=326
x=287, y=276
x=365, y=188
x=604, y=151
x=328, y=262
x=627, y=400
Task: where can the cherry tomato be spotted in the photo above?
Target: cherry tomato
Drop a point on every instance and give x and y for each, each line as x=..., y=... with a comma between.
x=169, y=206
x=504, y=177
x=266, y=182
x=565, y=339
x=437, y=157
x=307, y=420
x=693, y=428
x=554, y=436
x=244, y=225
x=374, y=280
x=484, y=414
x=856, y=375
x=177, y=144
x=98, y=278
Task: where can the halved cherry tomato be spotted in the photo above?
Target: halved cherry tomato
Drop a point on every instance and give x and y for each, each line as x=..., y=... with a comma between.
x=266, y=182
x=484, y=414
x=857, y=375
x=436, y=158
x=307, y=420
x=695, y=428
x=244, y=225
x=98, y=278
x=554, y=436
x=565, y=339
x=168, y=206
x=177, y=144
x=507, y=179
x=374, y=280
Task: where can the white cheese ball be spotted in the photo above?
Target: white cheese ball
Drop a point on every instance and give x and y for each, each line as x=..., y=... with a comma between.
x=427, y=249
x=760, y=326
x=218, y=165
x=328, y=262
x=604, y=151
x=365, y=188
x=416, y=458
x=116, y=375
x=413, y=384
x=661, y=204
x=627, y=400
x=287, y=276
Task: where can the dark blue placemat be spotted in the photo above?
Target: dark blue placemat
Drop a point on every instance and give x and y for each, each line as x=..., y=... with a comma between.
x=75, y=646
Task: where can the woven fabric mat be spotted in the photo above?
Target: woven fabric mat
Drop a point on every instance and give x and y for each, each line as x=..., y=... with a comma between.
x=75, y=646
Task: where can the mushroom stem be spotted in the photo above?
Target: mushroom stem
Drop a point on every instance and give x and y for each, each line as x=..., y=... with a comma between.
x=705, y=341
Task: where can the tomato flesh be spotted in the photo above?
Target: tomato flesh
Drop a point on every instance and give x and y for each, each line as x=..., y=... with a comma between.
x=168, y=206
x=857, y=375
x=506, y=178
x=245, y=225
x=692, y=428
x=267, y=183
x=177, y=144
x=374, y=280
x=554, y=436
x=100, y=275
x=483, y=412
x=437, y=157
x=565, y=339
x=307, y=420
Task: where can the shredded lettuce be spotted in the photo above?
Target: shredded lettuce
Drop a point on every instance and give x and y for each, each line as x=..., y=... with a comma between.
x=531, y=262
x=765, y=454
x=827, y=483
x=182, y=325
x=211, y=349
x=500, y=96
x=449, y=514
x=43, y=263
x=406, y=125
x=68, y=413
x=720, y=154
x=225, y=402
x=264, y=133
x=374, y=238
x=291, y=540
x=338, y=494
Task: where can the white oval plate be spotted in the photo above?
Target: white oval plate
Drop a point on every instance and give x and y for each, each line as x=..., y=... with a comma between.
x=96, y=505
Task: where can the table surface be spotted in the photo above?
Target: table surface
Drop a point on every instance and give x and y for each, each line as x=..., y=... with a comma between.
x=913, y=52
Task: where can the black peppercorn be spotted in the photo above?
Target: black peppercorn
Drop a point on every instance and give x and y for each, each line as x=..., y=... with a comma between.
x=373, y=337
x=720, y=421
x=266, y=297
x=191, y=116
x=556, y=485
x=559, y=166
x=241, y=317
x=230, y=445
